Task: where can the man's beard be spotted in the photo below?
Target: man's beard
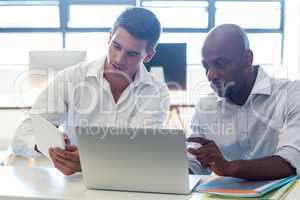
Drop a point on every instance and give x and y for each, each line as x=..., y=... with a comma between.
x=224, y=90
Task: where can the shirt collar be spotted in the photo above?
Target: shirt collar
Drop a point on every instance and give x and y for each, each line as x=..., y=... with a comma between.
x=142, y=75
x=97, y=68
x=262, y=84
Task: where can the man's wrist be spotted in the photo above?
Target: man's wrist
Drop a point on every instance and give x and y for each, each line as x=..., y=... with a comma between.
x=232, y=168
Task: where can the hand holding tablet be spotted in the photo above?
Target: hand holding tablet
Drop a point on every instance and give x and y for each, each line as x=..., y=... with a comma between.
x=47, y=135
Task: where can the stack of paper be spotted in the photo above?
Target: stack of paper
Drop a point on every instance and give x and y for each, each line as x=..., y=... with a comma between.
x=235, y=187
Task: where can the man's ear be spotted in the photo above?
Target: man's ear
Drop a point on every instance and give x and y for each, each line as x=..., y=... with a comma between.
x=248, y=56
x=150, y=55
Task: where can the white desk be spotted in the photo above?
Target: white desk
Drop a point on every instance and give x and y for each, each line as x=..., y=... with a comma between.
x=48, y=183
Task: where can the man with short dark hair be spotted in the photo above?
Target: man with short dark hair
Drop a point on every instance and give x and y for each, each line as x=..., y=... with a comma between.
x=114, y=91
x=251, y=130
x=137, y=26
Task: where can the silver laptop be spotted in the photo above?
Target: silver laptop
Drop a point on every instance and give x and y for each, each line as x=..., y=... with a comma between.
x=127, y=159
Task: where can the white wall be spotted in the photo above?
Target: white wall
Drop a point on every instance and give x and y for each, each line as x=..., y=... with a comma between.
x=291, y=56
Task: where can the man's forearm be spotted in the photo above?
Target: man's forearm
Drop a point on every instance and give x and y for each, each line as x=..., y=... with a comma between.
x=272, y=167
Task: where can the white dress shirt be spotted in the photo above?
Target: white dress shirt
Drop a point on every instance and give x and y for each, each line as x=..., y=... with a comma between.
x=267, y=124
x=80, y=96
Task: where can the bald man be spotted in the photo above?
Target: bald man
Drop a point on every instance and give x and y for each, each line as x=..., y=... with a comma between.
x=251, y=127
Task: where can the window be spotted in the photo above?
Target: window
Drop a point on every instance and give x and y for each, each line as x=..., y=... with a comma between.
x=94, y=15
x=93, y=43
x=85, y=24
x=266, y=47
x=26, y=16
x=181, y=14
x=262, y=20
x=14, y=47
x=263, y=15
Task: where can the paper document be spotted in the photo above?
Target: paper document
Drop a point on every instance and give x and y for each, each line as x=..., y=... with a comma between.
x=47, y=135
x=236, y=187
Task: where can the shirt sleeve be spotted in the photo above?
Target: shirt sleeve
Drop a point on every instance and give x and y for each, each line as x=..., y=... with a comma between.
x=291, y=155
x=288, y=146
x=50, y=105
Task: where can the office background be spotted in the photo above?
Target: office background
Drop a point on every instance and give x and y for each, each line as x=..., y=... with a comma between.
x=272, y=27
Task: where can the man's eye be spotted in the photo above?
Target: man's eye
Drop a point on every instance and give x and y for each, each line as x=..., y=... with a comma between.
x=132, y=54
x=219, y=65
x=117, y=47
x=205, y=65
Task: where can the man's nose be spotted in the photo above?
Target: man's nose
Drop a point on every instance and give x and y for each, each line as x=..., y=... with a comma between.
x=121, y=58
x=212, y=74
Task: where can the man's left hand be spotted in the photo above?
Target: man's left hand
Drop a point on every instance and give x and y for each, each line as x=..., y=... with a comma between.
x=67, y=161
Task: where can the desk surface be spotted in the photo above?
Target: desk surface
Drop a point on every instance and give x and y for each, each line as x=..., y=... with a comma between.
x=48, y=183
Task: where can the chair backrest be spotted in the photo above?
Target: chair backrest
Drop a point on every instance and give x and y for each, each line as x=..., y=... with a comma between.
x=56, y=60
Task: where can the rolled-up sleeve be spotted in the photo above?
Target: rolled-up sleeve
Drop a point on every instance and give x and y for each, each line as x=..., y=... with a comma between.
x=23, y=142
x=291, y=155
x=50, y=105
x=289, y=138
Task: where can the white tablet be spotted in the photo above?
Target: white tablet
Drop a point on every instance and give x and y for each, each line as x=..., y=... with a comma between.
x=47, y=135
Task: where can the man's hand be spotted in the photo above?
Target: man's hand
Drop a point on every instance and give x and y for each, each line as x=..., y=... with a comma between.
x=209, y=156
x=67, y=161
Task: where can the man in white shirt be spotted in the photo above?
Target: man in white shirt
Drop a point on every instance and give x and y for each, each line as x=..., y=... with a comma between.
x=252, y=129
x=114, y=91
